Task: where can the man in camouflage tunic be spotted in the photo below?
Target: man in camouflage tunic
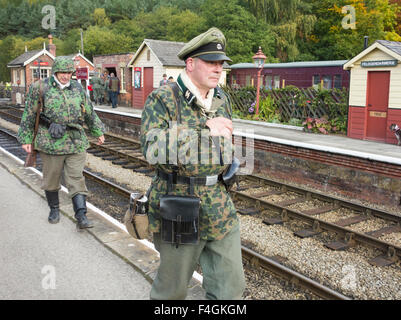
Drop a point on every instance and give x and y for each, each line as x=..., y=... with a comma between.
x=205, y=113
x=61, y=139
x=98, y=86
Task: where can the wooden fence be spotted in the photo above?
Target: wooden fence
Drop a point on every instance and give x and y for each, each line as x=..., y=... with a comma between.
x=292, y=102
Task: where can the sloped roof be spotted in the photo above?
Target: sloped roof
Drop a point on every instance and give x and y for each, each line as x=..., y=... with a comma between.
x=19, y=61
x=392, y=45
x=392, y=48
x=166, y=51
x=72, y=56
x=27, y=57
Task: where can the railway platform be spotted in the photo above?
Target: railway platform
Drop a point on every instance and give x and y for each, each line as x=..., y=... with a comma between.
x=41, y=261
x=295, y=137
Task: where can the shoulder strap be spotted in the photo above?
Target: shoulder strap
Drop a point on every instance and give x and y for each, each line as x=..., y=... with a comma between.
x=38, y=111
x=175, y=89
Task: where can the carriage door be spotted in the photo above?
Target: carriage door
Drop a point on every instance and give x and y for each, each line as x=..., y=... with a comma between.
x=377, y=104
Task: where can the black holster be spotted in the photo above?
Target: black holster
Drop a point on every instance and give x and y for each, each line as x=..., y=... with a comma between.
x=229, y=177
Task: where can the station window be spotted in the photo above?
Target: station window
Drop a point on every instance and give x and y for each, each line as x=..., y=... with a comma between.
x=44, y=73
x=316, y=81
x=337, y=81
x=15, y=77
x=276, y=82
x=122, y=81
x=148, y=55
x=233, y=79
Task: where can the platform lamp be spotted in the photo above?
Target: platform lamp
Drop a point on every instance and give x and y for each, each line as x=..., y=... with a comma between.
x=259, y=60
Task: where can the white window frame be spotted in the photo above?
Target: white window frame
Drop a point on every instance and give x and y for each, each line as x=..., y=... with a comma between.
x=122, y=80
x=41, y=72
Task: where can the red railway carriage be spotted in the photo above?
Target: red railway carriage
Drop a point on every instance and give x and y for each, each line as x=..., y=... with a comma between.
x=330, y=74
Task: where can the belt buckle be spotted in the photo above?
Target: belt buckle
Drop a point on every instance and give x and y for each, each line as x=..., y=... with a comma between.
x=211, y=180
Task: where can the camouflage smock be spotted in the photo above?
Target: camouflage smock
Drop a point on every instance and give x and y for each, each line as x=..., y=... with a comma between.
x=63, y=106
x=217, y=214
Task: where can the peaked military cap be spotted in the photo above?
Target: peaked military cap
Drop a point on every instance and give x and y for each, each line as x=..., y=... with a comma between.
x=208, y=46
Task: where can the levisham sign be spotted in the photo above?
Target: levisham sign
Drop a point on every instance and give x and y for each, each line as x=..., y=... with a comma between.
x=380, y=63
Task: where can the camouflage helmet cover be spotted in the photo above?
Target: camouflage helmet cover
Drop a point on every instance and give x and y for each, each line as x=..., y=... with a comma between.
x=63, y=64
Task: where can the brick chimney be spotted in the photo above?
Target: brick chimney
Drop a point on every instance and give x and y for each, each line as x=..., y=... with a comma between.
x=52, y=47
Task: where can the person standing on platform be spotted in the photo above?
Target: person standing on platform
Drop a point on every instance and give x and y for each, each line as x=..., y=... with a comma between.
x=106, y=91
x=195, y=109
x=163, y=81
x=114, y=86
x=97, y=88
x=61, y=139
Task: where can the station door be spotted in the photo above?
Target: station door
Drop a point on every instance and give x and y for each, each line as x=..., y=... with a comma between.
x=147, y=82
x=377, y=104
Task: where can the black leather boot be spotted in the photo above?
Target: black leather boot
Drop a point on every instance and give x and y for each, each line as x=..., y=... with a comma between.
x=53, y=202
x=79, y=204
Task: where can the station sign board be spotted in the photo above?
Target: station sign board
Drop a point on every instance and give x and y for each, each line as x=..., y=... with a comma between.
x=42, y=63
x=82, y=73
x=379, y=63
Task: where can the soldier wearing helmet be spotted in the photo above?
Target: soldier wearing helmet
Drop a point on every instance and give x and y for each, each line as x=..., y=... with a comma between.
x=61, y=139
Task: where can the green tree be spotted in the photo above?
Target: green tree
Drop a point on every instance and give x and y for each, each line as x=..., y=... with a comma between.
x=289, y=21
x=99, y=17
x=244, y=33
x=100, y=40
x=333, y=36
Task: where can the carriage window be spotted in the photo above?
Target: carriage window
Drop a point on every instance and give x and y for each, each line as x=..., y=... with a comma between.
x=337, y=81
x=248, y=80
x=276, y=82
x=327, y=82
x=268, y=82
x=316, y=81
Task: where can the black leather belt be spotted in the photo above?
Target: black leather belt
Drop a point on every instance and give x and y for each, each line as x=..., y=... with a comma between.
x=200, y=181
x=47, y=125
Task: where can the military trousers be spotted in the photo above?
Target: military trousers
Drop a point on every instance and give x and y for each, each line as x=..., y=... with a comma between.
x=220, y=260
x=71, y=166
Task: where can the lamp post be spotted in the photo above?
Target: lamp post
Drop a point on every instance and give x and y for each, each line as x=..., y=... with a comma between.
x=259, y=60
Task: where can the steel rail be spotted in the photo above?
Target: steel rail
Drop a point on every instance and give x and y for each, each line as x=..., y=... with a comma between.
x=256, y=258
x=320, y=225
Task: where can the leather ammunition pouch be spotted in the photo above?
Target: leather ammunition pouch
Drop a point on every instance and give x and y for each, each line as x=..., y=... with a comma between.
x=179, y=215
x=180, y=219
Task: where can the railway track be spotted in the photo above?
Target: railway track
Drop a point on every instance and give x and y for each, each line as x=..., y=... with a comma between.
x=8, y=142
x=254, y=199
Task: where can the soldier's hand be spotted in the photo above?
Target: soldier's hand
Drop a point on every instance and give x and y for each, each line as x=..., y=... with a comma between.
x=57, y=130
x=27, y=148
x=220, y=126
x=100, y=140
